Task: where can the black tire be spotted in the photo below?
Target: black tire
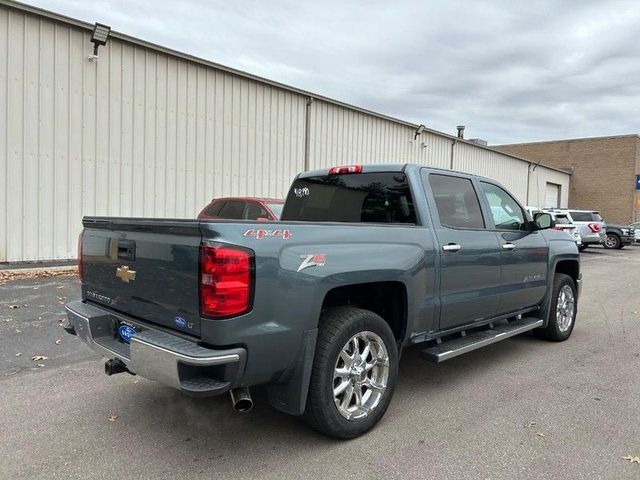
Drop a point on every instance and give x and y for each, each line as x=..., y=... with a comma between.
x=582, y=247
x=553, y=331
x=337, y=327
x=612, y=242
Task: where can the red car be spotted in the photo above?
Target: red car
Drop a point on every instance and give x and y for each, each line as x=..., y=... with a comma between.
x=243, y=208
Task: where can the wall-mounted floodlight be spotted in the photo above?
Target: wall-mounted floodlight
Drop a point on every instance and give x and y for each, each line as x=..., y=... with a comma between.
x=99, y=37
x=419, y=131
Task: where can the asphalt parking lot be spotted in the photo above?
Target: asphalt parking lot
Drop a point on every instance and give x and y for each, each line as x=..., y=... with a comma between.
x=523, y=408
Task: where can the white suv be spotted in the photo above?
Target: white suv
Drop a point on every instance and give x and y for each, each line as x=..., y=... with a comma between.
x=590, y=224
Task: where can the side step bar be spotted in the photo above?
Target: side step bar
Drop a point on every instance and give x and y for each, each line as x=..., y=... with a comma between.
x=472, y=341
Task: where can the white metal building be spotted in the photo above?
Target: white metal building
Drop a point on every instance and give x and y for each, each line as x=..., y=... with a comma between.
x=147, y=131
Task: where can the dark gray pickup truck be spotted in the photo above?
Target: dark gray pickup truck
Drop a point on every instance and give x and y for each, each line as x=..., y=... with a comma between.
x=318, y=307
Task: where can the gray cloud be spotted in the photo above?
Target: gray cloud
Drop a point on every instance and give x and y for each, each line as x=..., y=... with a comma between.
x=510, y=71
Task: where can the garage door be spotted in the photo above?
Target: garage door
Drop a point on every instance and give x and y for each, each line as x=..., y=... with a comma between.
x=552, y=195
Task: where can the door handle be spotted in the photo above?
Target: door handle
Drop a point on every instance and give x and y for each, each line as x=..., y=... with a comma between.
x=508, y=246
x=452, y=247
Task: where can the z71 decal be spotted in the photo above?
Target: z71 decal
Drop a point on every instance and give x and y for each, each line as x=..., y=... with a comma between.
x=312, y=260
x=261, y=233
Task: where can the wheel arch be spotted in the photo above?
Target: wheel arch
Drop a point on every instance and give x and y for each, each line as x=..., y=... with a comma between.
x=386, y=299
x=568, y=267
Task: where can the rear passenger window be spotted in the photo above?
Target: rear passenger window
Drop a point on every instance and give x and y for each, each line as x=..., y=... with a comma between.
x=233, y=210
x=456, y=201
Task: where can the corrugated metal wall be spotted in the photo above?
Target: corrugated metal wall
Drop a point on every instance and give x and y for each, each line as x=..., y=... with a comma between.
x=142, y=132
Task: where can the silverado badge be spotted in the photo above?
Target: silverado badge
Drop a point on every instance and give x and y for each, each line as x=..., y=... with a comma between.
x=124, y=274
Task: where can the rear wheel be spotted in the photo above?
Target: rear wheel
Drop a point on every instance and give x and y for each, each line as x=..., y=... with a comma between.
x=354, y=373
x=612, y=241
x=562, y=314
x=582, y=247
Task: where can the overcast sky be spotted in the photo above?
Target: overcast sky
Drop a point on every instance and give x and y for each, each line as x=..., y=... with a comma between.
x=509, y=71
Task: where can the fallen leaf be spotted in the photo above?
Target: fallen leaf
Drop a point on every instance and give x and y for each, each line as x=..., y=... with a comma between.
x=61, y=287
x=40, y=365
x=635, y=313
x=136, y=381
x=113, y=418
x=530, y=424
x=632, y=459
x=58, y=341
x=14, y=306
x=18, y=354
x=38, y=358
x=18, y=331
x=7, y=320
x=25, y=305
x=540, y=434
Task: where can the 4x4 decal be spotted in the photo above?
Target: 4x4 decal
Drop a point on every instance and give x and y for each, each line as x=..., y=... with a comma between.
x=261, y=233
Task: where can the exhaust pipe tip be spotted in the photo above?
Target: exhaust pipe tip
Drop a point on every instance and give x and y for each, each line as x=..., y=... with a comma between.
x=114, y=366
x=241, y=400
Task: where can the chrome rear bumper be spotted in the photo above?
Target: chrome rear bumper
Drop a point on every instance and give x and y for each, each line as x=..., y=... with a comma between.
x=158, y=355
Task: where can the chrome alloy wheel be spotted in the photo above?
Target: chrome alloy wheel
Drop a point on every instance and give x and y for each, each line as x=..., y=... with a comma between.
x=360, y=375
x=565, y=308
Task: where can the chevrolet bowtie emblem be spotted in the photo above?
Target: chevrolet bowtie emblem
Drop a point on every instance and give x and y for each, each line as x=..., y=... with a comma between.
x=124, y=274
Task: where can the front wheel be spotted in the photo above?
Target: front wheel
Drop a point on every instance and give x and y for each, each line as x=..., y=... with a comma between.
x=354, y=373
x=612, y=241
x=562, y=314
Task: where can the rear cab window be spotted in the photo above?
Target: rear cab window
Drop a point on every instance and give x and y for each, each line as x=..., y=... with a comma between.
x=586, y=216
x=377, y=197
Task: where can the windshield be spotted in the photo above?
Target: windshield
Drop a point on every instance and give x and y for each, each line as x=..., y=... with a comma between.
x=364, y=197
x=276, y=208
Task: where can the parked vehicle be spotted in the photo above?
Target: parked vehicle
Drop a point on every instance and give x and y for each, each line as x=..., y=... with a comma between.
x=243, y=208
x=318, y=307
x=618, y=236
x=636, y=227
x=590, y=225
x=562, y=222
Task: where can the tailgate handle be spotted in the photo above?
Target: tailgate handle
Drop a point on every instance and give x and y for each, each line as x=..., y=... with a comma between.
x=126, y=250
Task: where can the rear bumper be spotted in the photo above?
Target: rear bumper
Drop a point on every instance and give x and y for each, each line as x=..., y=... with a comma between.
x=158, y=355
x=593, y=238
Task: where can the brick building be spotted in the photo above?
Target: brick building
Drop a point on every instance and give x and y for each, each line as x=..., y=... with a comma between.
x=604, y=171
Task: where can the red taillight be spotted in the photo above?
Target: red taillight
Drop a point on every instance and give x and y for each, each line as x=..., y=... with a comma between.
x=345, y=169
x=594, y=227
x=225, y=281
x=80, y=265
x=558, y=228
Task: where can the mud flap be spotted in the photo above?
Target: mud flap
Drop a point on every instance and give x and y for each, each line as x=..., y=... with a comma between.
x=289, y=393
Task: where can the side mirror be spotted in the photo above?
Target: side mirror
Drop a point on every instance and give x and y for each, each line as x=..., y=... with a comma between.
x=544, y=220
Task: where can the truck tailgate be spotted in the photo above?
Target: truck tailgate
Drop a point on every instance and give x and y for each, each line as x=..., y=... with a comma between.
x=144, y=268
